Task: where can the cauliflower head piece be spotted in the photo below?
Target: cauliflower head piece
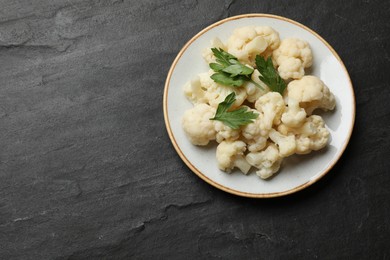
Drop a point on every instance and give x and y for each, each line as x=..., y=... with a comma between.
x=267, y=161
x=311, y=136
x=215, y=93
x=311, y=93
x=197, y=125
x=292, y=57
x=230, y=154
x=315, y=141
x=255, y=135
x=285, y=143
x=207, y=53
x=194, y=91
x=225, y=133
x=272, y=38
x=246, y=42
x=272, y=106
x=253, y=92
x=293, y=115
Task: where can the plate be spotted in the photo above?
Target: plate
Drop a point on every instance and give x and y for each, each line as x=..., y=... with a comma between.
x=298, y=171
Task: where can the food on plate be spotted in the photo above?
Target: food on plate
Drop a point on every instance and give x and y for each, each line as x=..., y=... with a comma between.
x=230, y=154
x=197, y=124
x=247, y=42
x=256, y=102
x=267, y=161
x=292, y=58
x=311, y=93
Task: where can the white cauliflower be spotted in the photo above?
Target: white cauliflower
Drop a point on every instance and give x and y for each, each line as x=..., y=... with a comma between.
x=208, y=53
x=225, y=133
x=293, y=115
x=285, y=143
x=205, y=80
x=267, y=162
x=318, y=140
x=218, y=93
x=292, y=57
x=271, y=36
x=305, y=129
x=311, y=93
x=245, y=43
x=311, y=136
x=197, y=124
x=230, y=154
x=272, y=106
x=255, y=136
x=194, y=91
x=254, y=92
x=215, y=93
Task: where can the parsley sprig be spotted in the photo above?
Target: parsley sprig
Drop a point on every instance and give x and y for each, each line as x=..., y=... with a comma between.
x=229, y=71
x=236, y=118
x=269, y=75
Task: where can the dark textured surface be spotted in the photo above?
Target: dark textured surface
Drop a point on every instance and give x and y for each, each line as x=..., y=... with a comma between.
x=87, y=169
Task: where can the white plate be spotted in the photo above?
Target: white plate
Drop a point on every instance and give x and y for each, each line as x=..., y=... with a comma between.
x=298, y=171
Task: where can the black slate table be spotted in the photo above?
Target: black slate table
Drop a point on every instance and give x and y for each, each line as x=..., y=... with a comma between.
x=87, y=170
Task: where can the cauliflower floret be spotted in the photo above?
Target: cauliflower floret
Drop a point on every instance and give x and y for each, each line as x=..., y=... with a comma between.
x=311, y=93
x=317, y=140
x=267, y=162
x=194, y=91
x=205, y=80
x=285, y=143
x=230, y=154
x=312, y=135
x=245, y=43
x=225, y=133
x=253, y=92
x=216, y=93
x=291, y=68
x=293, y=115
x=208, y=53
x=255, y=136
x=305, y=129
x=272, y=106
x=292, y=57
x=271, y=36
x=197, y=124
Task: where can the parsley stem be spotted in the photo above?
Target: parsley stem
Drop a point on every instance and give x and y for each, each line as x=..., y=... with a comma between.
x=256, y=84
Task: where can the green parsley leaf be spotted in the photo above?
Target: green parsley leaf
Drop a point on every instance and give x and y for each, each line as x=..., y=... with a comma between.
x=269, y=75
x=223, y=57
x=236, y=118
x=225, y=79
x=216, y=67
x=224, y=106
x=238, y=69
x=229, y=71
